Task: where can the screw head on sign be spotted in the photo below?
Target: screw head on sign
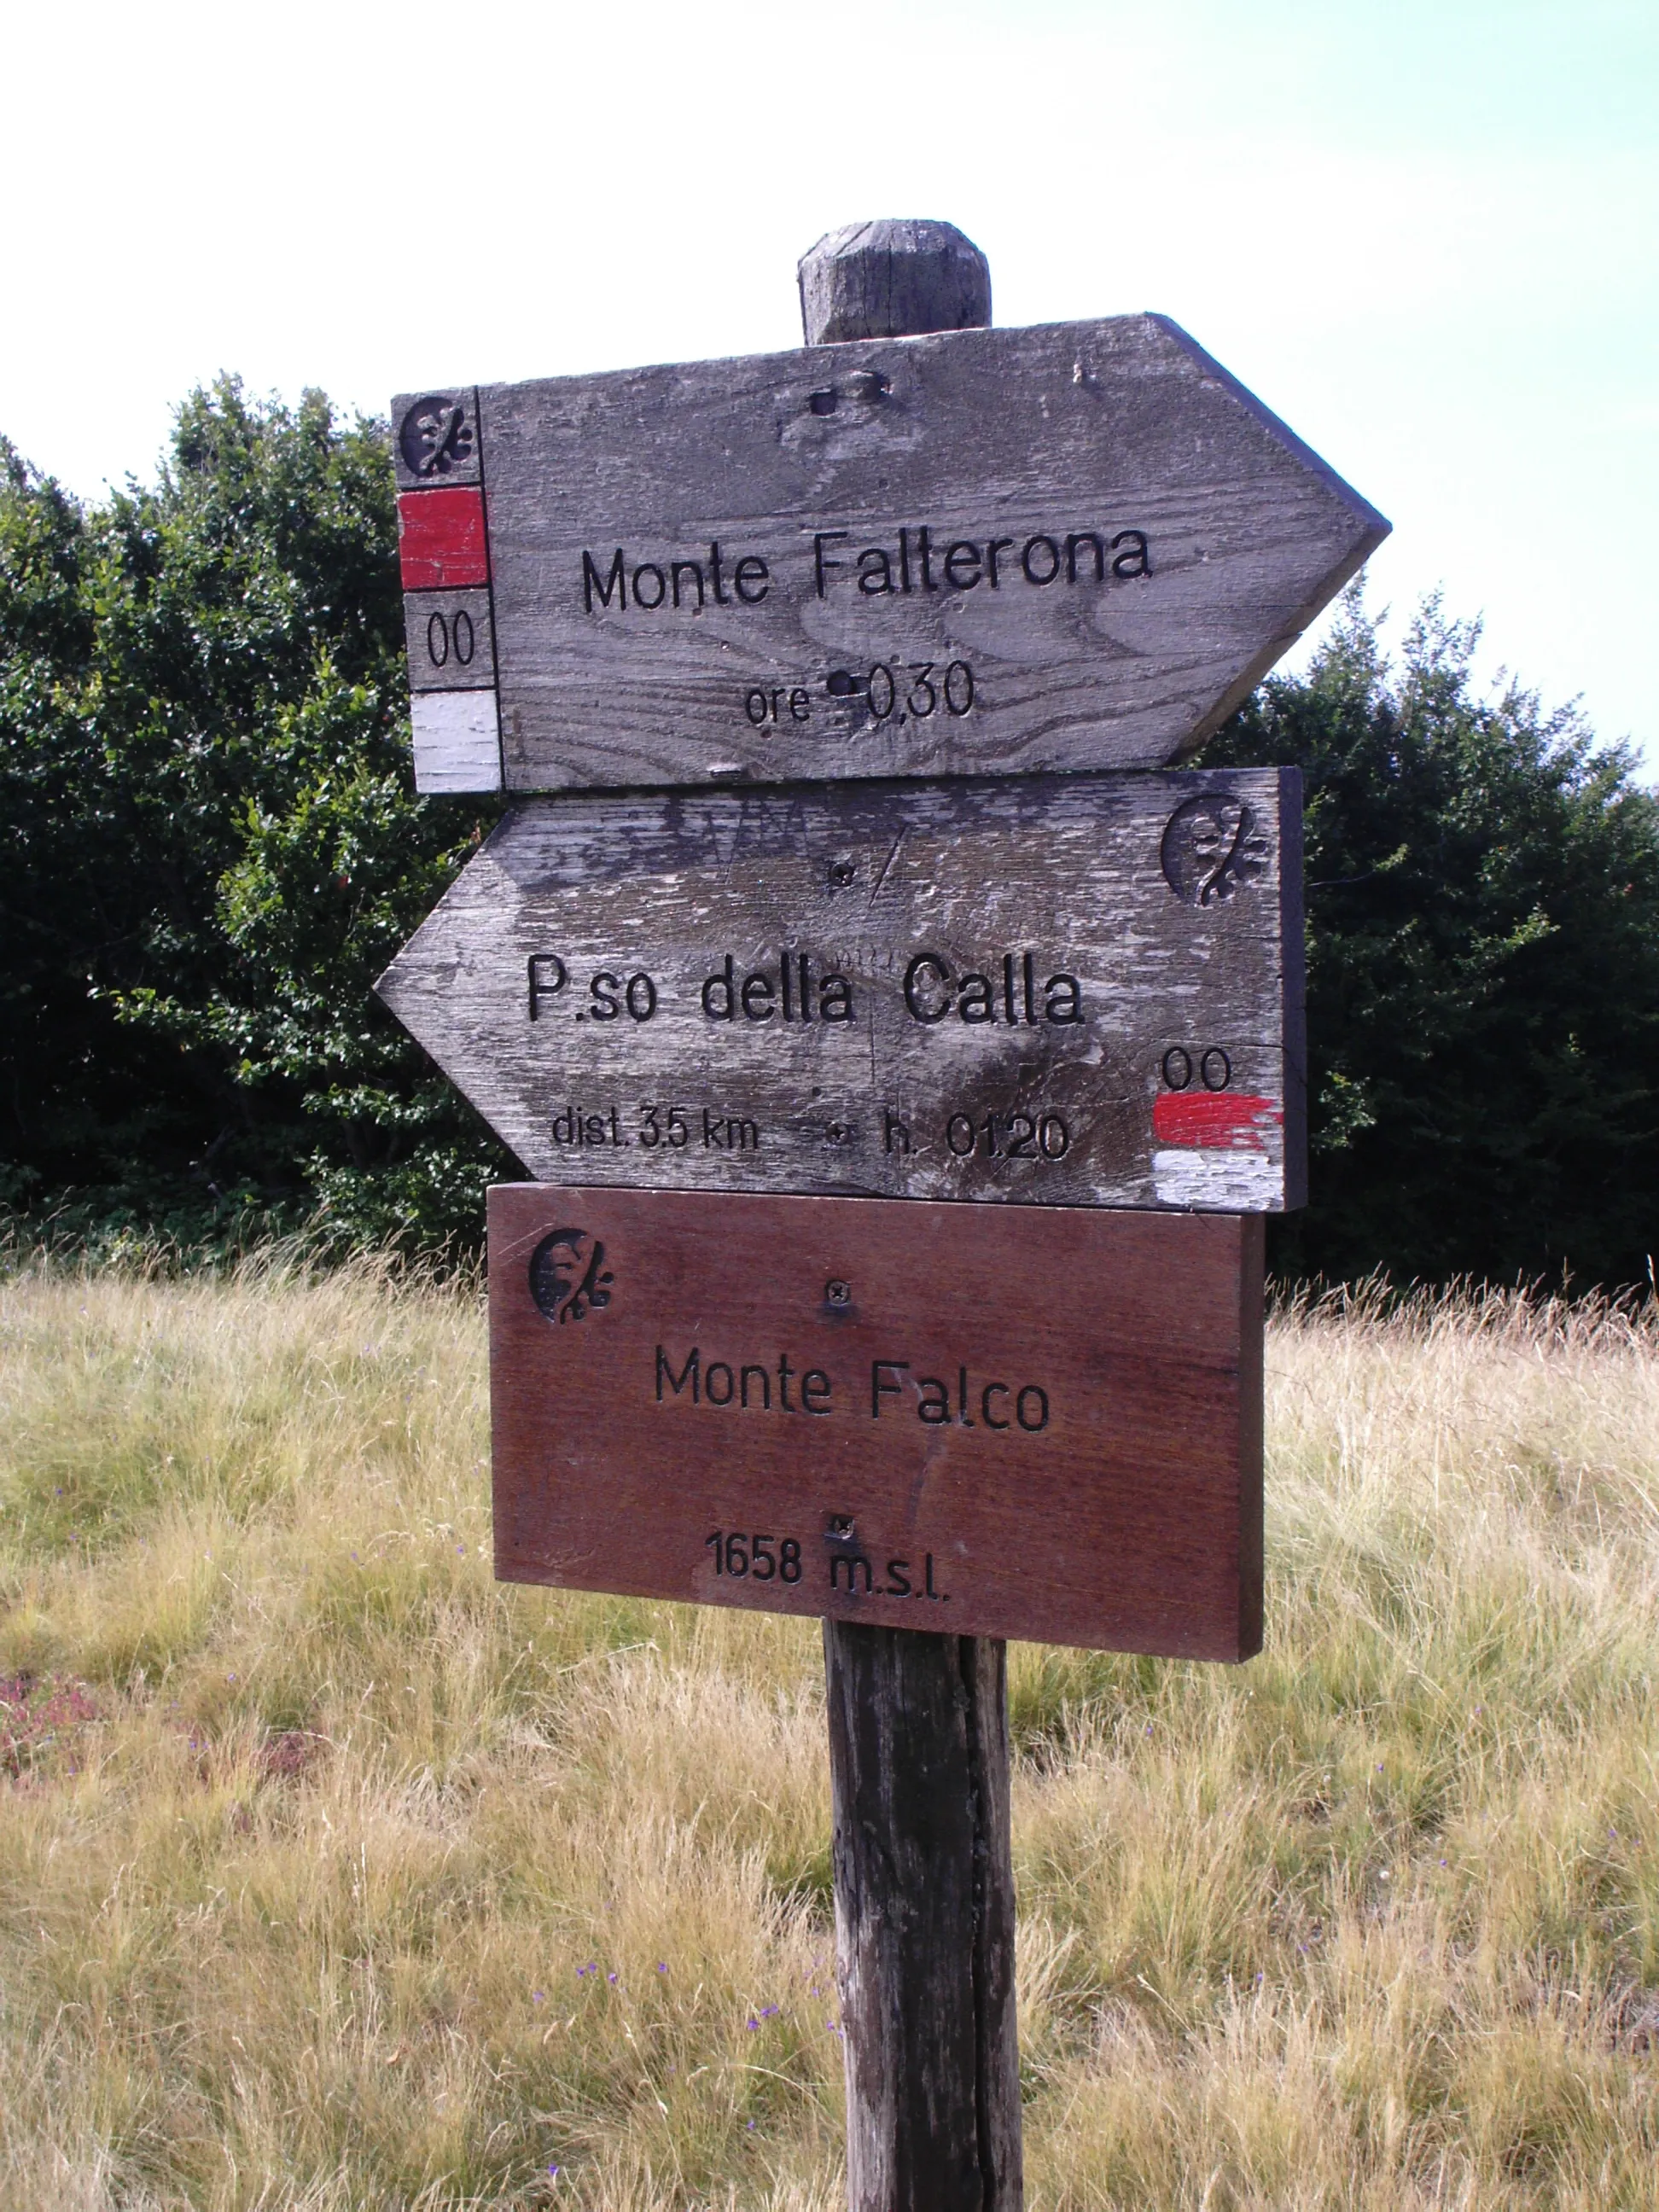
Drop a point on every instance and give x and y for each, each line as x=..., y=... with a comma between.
x=837, y=1293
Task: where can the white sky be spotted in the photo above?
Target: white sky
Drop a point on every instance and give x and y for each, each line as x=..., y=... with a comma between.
x=1426, y=232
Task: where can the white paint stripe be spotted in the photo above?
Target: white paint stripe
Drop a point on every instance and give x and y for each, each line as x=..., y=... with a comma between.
x=1216, y=1181
x=456, y=741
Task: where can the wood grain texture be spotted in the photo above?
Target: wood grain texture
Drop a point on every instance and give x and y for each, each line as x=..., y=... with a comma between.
x=892, y=279
x=1118, y=1508
x=1162, y=911
x=456, y=741
x=924, y=1919
x=1064, y=447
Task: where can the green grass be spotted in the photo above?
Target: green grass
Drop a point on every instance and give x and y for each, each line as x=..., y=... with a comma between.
x=320, y=1851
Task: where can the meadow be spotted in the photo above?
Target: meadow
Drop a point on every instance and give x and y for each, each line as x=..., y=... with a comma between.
x=333, y=1875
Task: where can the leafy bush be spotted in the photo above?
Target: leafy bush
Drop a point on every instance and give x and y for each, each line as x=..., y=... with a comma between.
x=1483, y=969
x=209, y=846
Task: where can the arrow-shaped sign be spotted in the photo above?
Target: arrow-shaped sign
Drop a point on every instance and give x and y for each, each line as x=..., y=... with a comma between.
x=977, y=552
x=1071, y=991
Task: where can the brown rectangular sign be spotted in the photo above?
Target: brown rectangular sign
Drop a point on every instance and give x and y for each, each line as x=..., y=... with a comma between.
x=990, y=1421
x=976, y=552
x=1065, y=991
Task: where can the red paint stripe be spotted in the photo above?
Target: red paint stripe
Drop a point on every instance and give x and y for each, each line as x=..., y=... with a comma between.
x=441, y=538
x=1228, y=1120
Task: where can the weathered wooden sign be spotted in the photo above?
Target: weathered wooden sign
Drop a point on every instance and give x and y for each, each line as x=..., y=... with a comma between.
x=1071, y=990
x=905, y=1415
x=1076, y=546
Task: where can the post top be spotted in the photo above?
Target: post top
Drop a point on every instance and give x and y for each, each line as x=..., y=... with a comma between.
x=892, y=279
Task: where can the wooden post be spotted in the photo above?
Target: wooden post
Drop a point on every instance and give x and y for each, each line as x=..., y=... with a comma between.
x=919, y=1724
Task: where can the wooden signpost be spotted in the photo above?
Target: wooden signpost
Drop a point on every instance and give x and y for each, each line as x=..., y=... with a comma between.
x=973, y=552
x=899, y=1414
x=926, y=591
x=1071, y=990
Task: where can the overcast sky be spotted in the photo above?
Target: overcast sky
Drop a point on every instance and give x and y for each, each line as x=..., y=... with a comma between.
x=1424, y=231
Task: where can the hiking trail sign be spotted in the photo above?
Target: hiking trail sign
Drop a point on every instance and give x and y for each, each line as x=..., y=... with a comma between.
x=843, y=691
x=969, y=553
x=934, y=1417
x=1079, y=990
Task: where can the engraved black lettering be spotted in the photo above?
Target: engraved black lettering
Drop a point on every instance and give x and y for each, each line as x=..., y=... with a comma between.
x=852, y=1562
x=934, y=1406
x=1053, y=553
x=689, y=1373
x=640, y=599
x=880, y=1387
x=719, y=993
x=765, y=1387
x=604, y=992
x=728, y=1390
x=822, y=563
x=1040, y=1400
x=757, y=998
x=973, y=1001
x=1064, y=998
x=692, y=568
x=962, y=565
x=1085, y=537
x=898, y=1578
x=815, y=1383
x=962, y=1414
x=836, y=1000
x=592, y=581
x=904, y=559
x=992, y=1390
x=914, y=987
x=1138, y=561
x=924, y=554
x=720, y=600
x=800, y=706
x=547, y=979
x=996, y=545
x=785, y=1371
x=875, y=571
x=751, y=570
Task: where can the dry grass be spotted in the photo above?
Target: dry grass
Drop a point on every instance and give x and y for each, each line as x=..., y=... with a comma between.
x=333, y=1876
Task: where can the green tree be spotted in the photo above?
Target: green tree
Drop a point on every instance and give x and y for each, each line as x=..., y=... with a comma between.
x=208, y=842
x=1483, y=968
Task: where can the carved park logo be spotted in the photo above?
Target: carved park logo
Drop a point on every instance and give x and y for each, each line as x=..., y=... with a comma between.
x=436, y=437
x=564, y=1286
x=1212, y=847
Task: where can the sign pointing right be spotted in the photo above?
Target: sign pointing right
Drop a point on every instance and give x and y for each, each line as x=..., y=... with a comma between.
x=975, y=552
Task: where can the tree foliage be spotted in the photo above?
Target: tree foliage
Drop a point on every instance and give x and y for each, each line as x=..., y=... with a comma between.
x=1483, y=968
x=209, y=848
